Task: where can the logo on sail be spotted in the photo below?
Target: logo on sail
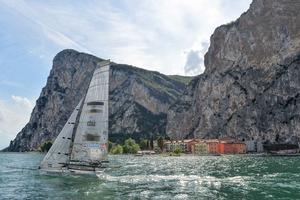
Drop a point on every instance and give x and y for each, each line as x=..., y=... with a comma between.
x=91, y=123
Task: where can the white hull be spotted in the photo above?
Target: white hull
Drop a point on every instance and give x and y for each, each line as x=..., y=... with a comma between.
x=54, y=172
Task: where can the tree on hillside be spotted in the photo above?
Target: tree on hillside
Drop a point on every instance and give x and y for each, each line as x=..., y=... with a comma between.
x=46, y=146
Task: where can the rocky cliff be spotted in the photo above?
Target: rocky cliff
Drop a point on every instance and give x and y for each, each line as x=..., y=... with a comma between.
x=139, y=100
x=251, y=85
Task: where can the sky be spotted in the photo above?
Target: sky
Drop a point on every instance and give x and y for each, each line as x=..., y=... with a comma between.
x=162, y=35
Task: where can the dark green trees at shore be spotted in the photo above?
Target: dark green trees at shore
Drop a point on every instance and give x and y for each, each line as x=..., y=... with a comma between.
x=117, y=149
x=160, y=143
x=129, y=147
x=144, y=144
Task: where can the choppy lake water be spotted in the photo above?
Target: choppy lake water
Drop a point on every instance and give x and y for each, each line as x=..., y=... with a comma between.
x=157, y=177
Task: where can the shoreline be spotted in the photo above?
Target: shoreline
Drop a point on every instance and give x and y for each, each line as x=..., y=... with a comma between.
x=182, y=154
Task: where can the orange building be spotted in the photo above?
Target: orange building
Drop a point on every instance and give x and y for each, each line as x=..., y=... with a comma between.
x=213, y=146
x=232, y=147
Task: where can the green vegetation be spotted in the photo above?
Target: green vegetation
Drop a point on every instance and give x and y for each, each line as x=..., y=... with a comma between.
x=144, y=144
x=110, y=145
x=151, y=143
x=130, y=146
x=155, y=80
x=170, y=85
x=117, y=149
x=182, y=79
x=160, y=143
x=176, y=152
x=46, y=146
x=161, y=83
x=160, y=87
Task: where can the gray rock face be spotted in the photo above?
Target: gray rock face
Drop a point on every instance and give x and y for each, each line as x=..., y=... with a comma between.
x=251, y=85
x=139, y=100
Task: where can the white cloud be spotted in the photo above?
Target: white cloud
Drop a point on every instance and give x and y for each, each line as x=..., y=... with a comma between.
x=144, y=33
x=193, y=63
x=13, y=117
x=53, y=35
x=1, y=116
x=22, y=102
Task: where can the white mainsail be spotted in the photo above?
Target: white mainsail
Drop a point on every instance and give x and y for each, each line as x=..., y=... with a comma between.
x=82, y=145
x=59, y=153
x=91, y=136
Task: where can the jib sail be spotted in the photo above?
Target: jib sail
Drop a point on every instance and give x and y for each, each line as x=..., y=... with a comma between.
x=59, y=153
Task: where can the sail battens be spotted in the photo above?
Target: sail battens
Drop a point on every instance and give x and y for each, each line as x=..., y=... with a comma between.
x=90, y=142
x=84, y=138
x=95, y=103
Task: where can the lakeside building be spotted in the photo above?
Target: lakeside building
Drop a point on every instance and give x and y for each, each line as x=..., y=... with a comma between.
x=200, y=148
x=227, y=146
x=213, y=146
x=203, y=147
x=254, y=146
x=232, y=147
x=185, y=146
x=170, y=146
x=191, y=144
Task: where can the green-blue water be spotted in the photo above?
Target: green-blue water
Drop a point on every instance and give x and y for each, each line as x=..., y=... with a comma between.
x=157, y=177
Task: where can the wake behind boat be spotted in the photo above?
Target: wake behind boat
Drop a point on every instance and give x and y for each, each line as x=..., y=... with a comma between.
x=82, y=145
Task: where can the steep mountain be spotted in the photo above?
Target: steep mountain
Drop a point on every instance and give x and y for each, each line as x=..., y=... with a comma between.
x=251, y=85
x=139, y=100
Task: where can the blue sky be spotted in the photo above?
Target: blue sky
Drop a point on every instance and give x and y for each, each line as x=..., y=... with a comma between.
x=167, y=36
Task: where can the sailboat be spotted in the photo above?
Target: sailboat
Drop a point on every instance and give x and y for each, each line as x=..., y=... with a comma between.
x=82, y=145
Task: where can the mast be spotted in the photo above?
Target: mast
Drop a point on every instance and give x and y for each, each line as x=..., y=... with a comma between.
x=75, y=126
x=91, y=135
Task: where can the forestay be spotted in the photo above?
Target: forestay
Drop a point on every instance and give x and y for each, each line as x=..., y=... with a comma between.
x=91, y=136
